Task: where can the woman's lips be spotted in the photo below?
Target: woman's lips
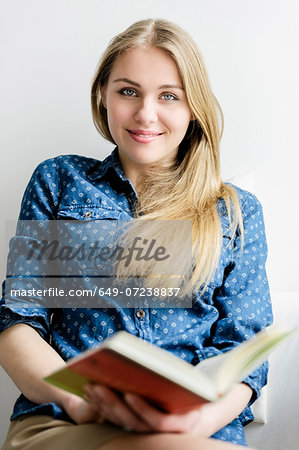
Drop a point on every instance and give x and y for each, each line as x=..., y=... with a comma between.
x=144, y=136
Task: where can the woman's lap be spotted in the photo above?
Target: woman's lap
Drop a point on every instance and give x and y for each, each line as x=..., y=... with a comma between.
x=44, y=432
x=166, y=441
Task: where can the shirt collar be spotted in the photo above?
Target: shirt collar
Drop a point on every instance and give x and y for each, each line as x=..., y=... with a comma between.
x=112, y=162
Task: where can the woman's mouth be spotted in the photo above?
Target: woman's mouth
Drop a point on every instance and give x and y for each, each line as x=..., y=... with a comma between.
x=144, y=136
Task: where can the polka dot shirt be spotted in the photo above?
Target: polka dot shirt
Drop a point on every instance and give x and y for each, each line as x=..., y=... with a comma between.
x=235, y=305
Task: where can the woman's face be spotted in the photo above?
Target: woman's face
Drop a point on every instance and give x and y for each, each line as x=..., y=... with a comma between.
x=147, y=109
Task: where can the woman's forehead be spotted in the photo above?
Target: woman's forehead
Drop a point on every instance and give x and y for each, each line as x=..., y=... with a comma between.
x=146, y=64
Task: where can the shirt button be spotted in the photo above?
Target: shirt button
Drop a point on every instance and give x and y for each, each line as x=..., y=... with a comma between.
x=140, y=314
x=87, y=214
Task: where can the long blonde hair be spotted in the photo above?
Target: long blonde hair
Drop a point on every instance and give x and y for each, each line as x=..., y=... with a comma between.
x=191, y=188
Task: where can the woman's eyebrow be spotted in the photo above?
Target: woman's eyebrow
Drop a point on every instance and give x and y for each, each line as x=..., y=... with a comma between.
x=126, y=80
x=164, y=86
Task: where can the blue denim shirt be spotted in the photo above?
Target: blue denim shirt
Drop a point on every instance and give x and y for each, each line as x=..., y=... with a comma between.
x=235, y=305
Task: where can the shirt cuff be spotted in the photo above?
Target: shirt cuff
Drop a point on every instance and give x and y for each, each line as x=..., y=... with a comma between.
x=257, y=380
x=38, y=318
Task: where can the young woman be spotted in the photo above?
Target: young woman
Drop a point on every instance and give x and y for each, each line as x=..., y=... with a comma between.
x=151, y=97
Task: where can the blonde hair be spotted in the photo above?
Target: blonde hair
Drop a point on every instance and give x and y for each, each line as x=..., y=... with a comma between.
x=191, y=187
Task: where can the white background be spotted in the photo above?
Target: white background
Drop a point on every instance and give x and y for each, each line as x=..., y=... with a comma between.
x=48, y=53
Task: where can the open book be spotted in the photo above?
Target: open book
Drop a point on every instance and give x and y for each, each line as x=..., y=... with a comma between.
x=126, y=363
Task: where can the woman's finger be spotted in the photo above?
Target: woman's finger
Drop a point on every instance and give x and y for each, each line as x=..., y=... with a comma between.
x=114, y=409
x=160, y=421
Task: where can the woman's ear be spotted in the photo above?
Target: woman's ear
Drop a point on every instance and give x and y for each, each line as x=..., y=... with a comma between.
x=103, y=96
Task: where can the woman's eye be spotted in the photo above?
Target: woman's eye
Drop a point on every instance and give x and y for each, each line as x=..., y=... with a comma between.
x=128, y=92
x=169, y=97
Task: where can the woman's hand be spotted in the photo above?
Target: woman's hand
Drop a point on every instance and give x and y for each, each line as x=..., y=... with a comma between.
x=79, y=410
x=200, y=421
x=134, y=413
x=110, y=406
x=204, y=421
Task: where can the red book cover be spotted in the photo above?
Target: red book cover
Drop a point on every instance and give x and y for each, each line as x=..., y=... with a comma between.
x=120, y=373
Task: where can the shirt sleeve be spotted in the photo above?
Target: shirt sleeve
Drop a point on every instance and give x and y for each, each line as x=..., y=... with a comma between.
x=243, y=300
x=39, y=202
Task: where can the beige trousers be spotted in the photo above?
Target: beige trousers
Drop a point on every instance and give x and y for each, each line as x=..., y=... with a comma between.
x=46, y=433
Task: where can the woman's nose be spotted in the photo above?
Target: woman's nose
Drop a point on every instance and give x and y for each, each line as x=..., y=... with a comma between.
x=146, y=112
